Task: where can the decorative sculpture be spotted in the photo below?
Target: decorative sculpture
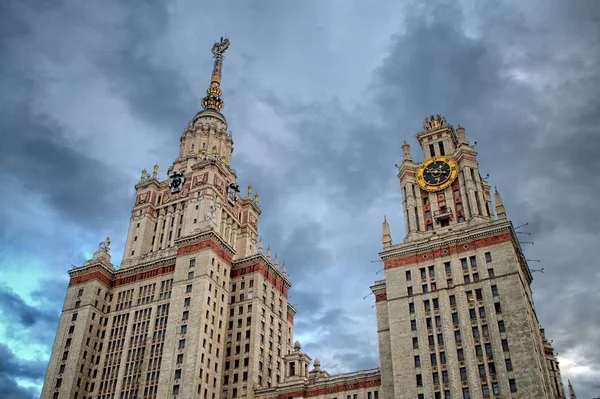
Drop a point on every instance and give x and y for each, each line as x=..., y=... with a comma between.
x=212, y=211
x=434, y=122
x=249, y=190
x=104, y=246
x=213, y=94
x=155, y=170
x=144, y=174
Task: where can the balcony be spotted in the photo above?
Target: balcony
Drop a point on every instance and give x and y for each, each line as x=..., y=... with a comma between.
x=442, y=214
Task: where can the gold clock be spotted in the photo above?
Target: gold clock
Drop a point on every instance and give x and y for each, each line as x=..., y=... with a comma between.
x=437, y=173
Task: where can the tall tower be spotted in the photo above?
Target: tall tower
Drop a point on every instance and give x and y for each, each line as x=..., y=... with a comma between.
x=196, y=309
x=455, y=311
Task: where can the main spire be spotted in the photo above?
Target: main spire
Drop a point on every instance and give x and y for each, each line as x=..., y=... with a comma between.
x=213, y=93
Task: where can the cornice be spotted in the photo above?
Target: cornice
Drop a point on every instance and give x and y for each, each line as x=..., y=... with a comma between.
x=208, y=234
x=406, y=248
x=261, y=259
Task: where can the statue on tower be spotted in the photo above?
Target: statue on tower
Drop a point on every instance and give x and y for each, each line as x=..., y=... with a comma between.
x=104, y=246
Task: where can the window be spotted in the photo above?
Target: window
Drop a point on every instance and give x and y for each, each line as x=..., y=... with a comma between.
x=71, y=329
x=457, y=336
x=488, y=349
x=478, y=294
x=494, y=290
x=184, y=329
x=486, y=390
x=190, y=275
x=473, y=261
x=463, y=373
x=501, y=327
x=440, y=338
x=415, y=343
x=74, y=317
x=187, y=301
x=495, y=388
x=466, y=393
x=423, y=273
x=408, y=275
x=481, y=370
x=467, y=279
x=478, y=351
x=488, y=257
x=431, y=341
x=460, y=354
x=175, y=389
x=413, y=325
x=419, y=380
x=491, y=272
x=58, y=382
x=180, y=358
x=475, y=276
x=433, y=359
x=432, y=150
x=410, y=291
x=181, y=343
x=411, y=307
x=177, y=374
x=80, y=293
x=492, y=368
x=475, y=332
x=455, y=318
x=431, y=271
x=192, y=262
x=417, y=361
x=185, y=315
x=464, y=264
x=508, y=363
x=438, y=321
x=472, y=314
x=425, y=289
x=452, y=300
x=505, y=345
x=497, y=307
x=427, y=305
x=441, y=145
x=482, y=312
x=448, y=267
x=443, y=359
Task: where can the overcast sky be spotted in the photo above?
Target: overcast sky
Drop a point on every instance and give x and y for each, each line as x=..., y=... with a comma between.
x=319, y=96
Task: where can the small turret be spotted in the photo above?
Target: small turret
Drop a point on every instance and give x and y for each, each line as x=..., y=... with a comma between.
x=406, y=151
x=386, y=237
x=284, y=270
x=269, y=254
x=260, y=246
x=460, y=134
x=500, y=211
x=276, y=262
x=571, y=391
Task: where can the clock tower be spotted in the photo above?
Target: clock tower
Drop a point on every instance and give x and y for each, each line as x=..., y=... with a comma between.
x=446, y=190
x=455, y=311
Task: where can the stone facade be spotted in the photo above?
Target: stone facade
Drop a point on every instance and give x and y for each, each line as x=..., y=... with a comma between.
x=455, y=311
x=199, y=309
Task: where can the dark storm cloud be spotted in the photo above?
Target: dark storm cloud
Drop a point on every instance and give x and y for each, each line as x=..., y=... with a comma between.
x=11, y=367
x=20, y=312
x=531, y=132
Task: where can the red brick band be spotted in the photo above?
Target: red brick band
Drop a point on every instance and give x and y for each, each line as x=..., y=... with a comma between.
x=260, y=268
x=329, y=390
x=106, y=280
x=381, y=297
x=455, y=249
x=203, y=245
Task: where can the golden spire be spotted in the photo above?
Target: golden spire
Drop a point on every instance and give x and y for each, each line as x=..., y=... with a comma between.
x=213, y=94
x=386, y=237
x=500, y=211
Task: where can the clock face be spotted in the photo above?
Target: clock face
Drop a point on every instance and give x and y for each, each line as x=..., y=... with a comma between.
x=437, y=173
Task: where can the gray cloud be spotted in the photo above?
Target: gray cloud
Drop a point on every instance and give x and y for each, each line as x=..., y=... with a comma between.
x=319, y=110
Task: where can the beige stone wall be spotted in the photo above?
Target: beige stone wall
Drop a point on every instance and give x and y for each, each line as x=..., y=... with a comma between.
x=524, y=346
